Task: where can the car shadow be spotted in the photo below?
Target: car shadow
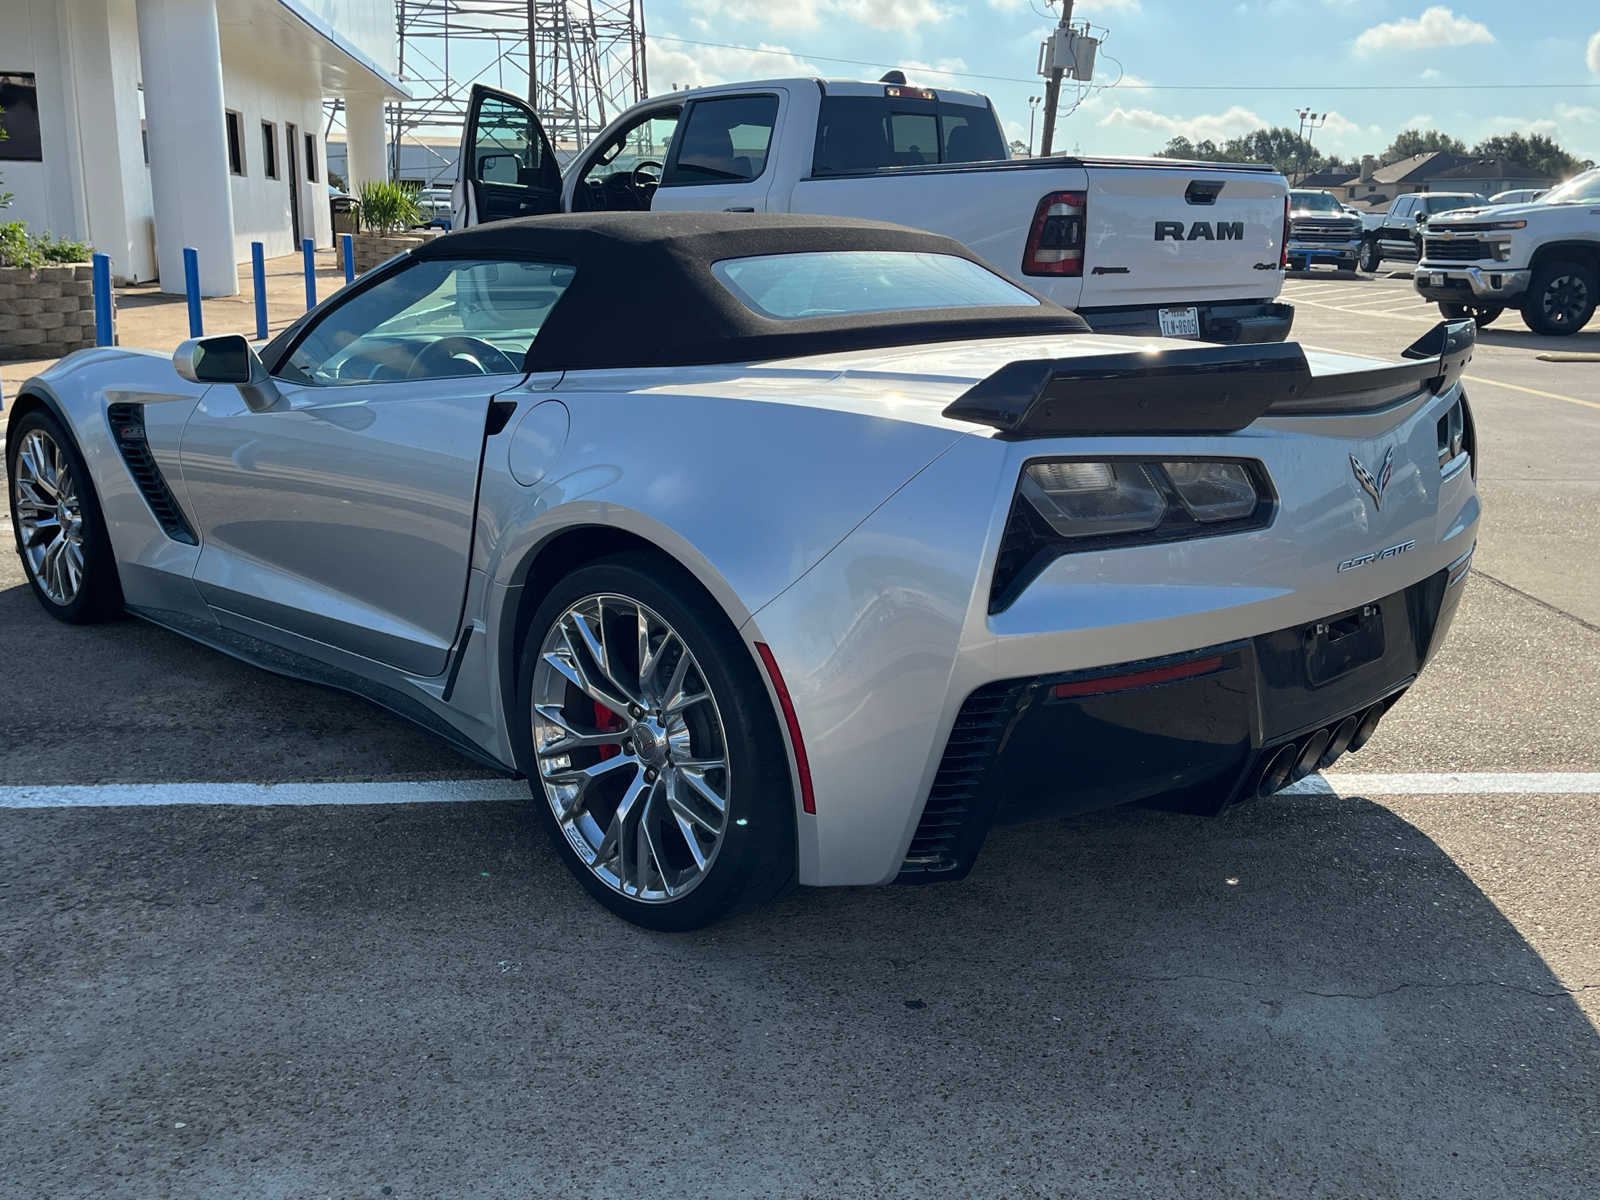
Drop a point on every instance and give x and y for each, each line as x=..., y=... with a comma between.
x=1305, y=997
x=1510, y=332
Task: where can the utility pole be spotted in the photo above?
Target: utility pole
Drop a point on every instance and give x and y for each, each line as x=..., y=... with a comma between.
x=1052, y=89
x=1310, y=122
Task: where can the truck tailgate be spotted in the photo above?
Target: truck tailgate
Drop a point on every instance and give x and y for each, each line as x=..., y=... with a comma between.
x=1192, y=232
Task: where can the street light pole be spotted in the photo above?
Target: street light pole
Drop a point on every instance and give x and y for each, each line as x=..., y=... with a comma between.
x=1033, y=107
x=1052, y=88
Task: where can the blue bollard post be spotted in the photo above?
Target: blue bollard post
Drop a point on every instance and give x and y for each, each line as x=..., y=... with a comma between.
x=308, y=250
x=191, y=287
x=102, y=299
x=258, y=272
x=349, y=244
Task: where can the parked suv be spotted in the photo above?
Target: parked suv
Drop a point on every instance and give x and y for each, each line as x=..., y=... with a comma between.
x=1542, y=258
x=1321, y=230
x=1399, y=236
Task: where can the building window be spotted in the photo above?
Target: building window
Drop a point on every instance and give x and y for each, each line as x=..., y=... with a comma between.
x=269, y=149
x=19, y=97
x=235, y=125
x=311, y=158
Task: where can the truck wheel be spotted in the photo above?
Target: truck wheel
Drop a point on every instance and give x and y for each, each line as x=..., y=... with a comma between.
x=1484, y=314
x=1369, y=257
x=1561, y=299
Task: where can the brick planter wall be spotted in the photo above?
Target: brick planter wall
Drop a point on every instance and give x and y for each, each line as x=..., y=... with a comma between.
x=374, y=248
x=46, y=312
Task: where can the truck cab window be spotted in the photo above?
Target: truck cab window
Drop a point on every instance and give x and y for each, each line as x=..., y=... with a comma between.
x=858, y=134
x=725, y=140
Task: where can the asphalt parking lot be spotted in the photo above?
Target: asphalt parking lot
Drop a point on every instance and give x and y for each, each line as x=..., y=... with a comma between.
x=1387, y=986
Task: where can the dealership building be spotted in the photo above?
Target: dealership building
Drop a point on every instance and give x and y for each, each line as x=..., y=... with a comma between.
x=144, y=126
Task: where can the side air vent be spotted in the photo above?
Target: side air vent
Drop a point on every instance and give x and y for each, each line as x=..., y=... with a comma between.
x=953, y=825
x=127, y=430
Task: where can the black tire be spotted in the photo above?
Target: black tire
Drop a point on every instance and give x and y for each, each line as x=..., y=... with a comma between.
x=1484, y=315
x=99, y=593
x=1349, y=264
x=1561, y=298
x=1370, y=258
x=755, y=860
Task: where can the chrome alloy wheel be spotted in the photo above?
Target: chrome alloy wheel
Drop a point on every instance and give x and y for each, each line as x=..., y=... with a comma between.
x=49, y=516
x=631, y=748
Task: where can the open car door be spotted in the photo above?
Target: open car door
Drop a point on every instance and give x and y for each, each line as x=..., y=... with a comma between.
x=506, y=167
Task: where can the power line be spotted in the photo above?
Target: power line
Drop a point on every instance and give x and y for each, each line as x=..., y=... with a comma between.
x=1151, y=87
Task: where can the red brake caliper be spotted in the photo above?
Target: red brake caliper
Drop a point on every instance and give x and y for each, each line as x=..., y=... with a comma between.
x=606, y=721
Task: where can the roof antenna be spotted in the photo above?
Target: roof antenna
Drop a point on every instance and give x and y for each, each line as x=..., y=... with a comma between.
x=896, y=76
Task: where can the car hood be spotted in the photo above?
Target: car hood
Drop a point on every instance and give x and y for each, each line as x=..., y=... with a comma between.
x=1494, y=211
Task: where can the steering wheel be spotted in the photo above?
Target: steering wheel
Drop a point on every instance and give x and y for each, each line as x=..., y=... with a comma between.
x=642, y=180
x=434, y=359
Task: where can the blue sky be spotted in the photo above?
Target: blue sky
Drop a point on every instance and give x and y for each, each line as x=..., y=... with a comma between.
x=1260, y=60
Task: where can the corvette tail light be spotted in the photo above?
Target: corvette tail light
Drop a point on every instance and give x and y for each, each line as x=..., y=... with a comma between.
x=1065, y=506
x=1056, y=237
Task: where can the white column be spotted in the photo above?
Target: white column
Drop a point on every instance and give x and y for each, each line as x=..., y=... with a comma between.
x=180, y=55
x=366, y=140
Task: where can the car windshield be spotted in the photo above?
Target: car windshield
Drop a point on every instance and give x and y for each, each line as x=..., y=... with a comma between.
x=838, y=283
x=1315, y=202
x=1580, y=189
x=1439, y=204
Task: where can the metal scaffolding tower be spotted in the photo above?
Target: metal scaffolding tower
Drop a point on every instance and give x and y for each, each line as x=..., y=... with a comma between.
x=588, y=61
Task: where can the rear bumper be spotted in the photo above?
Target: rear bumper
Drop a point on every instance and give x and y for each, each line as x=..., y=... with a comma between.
x=1459, y=284
x=1229, y=322
x=1195, y=732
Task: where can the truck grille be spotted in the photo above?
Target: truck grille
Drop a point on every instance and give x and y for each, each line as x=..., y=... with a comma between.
x=1311, y=229
x=1457, y=249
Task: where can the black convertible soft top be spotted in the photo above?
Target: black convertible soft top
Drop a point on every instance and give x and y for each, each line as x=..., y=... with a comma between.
x=644, y=295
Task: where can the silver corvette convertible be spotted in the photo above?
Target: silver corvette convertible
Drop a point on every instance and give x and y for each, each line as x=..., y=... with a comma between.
x=773, y=549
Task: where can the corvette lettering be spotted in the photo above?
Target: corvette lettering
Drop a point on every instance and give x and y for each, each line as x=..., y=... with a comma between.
x=1200, y=231
x=1350, y=564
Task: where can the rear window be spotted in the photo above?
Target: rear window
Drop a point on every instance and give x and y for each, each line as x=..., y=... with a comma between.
x=866, y=133
x=845, y=282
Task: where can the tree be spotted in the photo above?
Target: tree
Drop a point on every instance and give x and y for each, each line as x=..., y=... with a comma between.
x=1538, y=152
x=1019, y=148
x=1411, y=142
x=1182, y=147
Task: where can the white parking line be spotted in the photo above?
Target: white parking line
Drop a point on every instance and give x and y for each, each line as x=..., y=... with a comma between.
x=1449, y=783
x=262, y=795
x=479, y=791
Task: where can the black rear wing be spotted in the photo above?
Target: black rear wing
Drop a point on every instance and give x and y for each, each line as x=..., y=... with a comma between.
x=1199, y=391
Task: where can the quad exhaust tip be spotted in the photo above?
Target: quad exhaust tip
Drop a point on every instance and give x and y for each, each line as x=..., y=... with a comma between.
x=1317, y=751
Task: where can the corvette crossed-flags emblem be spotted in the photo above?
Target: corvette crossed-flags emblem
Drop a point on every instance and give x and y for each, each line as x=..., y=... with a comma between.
x=1374, y=487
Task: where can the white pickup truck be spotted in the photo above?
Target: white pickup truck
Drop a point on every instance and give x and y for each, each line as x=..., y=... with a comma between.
x=1542, y=258
x=1153, y=246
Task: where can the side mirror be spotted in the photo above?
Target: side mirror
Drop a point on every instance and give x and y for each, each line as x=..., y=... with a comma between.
x=1422, y=218
x=227, y=358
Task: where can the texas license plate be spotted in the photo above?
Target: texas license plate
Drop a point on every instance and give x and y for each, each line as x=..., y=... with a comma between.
x=1435, y=279
x=1180, y=322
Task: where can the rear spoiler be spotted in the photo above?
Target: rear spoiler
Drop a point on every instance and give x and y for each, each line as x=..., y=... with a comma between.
x=1199, y=391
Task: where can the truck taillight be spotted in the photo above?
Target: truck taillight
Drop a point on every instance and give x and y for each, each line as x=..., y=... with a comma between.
x=1283, y=249
x=1056, y=237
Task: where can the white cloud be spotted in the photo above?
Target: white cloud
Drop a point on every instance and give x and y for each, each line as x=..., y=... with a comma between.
x=1432, y=73
x=1581, y=113
x=810, y=14
x=698, y=66
x=1215, y=126
x=1437, y=26
x=1593, y=56
x=1417, y=121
